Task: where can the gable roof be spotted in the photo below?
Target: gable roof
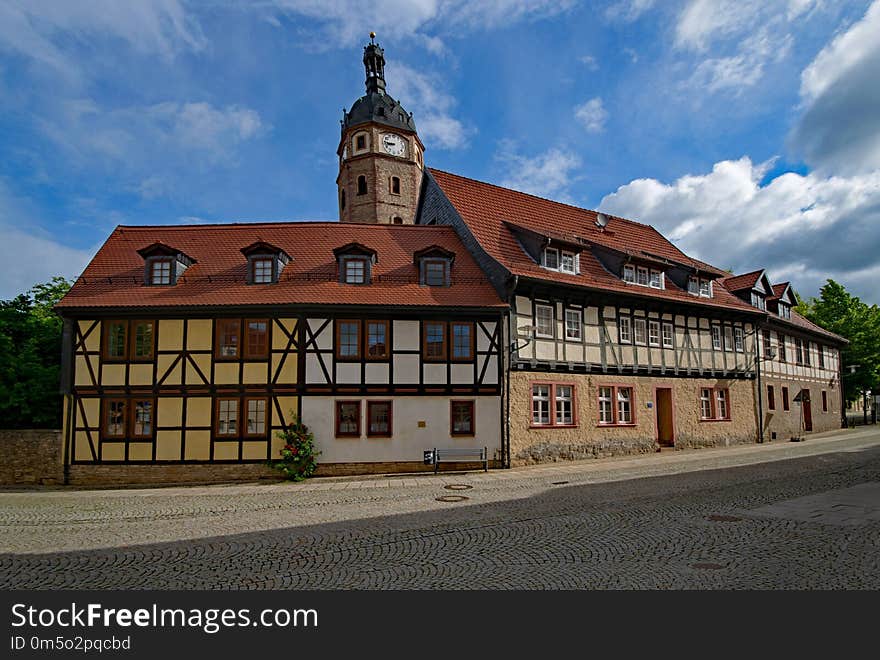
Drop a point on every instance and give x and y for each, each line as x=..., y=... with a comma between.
x=493, y=215
x=114, y=278
x=742, y=282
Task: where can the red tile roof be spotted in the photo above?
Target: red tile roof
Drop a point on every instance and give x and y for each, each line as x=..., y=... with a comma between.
x=779, y=289
x=114, y=278
x=744, y=281
x=802, y=323
x=489, y=211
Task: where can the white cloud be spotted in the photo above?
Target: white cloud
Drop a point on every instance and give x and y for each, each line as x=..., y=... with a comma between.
x=839, y=131
x=421, y=93
x=38, y=29
x=29, y=254
x=727, y=218
x=743, y=69
x=592, y=115
x=703, y=21
x=847, y=52
x=590, y=62
x=627, y=11
x=344, y=25
x=197, y=132
x=548, y=174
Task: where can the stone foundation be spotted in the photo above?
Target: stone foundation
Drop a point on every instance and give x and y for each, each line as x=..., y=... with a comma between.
x=788, y=423
x=31, y=457
x=588, y=439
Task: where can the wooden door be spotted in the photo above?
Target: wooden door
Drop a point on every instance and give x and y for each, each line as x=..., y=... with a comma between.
x=665, y=427
x=808, y=411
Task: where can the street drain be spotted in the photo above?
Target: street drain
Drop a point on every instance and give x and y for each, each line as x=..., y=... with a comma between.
x=707, y=566
x=715, y=517
x=451, y=498
x=558, y=483
x=457, y=486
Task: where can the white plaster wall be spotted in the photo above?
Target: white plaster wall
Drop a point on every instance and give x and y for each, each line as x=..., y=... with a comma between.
x=406, y=369
x=408, y=440
x=406, y=335
x=348, y=373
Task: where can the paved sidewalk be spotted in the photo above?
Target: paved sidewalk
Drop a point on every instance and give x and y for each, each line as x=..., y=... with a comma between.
x=68, y=520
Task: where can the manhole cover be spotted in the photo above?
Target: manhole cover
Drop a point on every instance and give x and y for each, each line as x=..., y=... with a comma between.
x=707, y=566
x=457, y=486
x=716, y=517
x=451, y=498
x=558, y=483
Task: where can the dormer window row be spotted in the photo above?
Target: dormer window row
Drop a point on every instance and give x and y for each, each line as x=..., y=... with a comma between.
x=562, y=261
x=644, y=276
x=700, y=287
x=163, y=265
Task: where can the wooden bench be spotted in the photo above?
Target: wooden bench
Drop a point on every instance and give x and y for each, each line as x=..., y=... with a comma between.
x=461, y=455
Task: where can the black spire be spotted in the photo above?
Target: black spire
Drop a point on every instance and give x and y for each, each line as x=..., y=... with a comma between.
x=374, y=63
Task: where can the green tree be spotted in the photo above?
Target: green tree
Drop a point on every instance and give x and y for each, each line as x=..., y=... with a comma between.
x=844, y=314
x=30, y=357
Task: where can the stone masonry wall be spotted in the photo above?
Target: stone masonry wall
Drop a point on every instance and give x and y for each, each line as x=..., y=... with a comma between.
x=788, y=423
x=31, y=457
x=590, y=440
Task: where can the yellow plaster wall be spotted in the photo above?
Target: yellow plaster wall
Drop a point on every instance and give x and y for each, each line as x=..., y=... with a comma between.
x=93, y=341
x=113, y=451
x=113, y=375
x=199, y=334
x=168, y=445
x=170, y=335
x=140, y=374
x=198, y=411
x=198, y=445
x=226, y=373
x=169, y=411
x=225, y=451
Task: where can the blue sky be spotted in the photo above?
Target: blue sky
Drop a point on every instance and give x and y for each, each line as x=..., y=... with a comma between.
x=747, y=131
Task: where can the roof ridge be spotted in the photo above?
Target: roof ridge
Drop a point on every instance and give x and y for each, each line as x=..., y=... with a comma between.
x=276, y=223
x=544, y=199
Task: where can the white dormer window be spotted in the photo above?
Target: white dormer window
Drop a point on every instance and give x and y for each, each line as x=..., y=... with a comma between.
x=551, y=258
x=693, y=285
x=355, y=271
x=568, y=263
x=758, y=301
x=263, y=270
x=784, y=311
x=700, y=287
x=642, y=276
x=656, y=279
x=629, y=274
x=706, y=288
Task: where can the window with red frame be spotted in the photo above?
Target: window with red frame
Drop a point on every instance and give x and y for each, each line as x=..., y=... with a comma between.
x=553, y=404
x=348, y=419
x=379, y=418
x=615, y=405
x=714, y=404
x=461, y=415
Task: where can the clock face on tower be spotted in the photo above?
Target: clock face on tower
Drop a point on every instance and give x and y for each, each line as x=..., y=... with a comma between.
x=394, y=144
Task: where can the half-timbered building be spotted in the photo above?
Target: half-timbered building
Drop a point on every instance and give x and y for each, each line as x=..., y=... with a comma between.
x=188, y=348
x=799, y=369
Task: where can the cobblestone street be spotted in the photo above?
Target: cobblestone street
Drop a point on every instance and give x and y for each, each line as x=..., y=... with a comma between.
x=784, y=515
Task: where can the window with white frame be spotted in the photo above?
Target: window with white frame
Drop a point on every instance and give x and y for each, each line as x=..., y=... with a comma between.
x=640, y=331
x=784, y=311
x=551, y=258
x=654, y=333
x=694, y=285
x=544, y=321
x=668, y=341
x=758, y=300
x=728, y=338
x=568, y=263
x=540, y=405
x=625, y=326
x=629, y=274
x=656, y=279
x=716, y=337
x=615, y=405
x=714, y=403
x=642, y=276
x=573, y=324
x=563, y=397
x=706, y=288
x=738, y=340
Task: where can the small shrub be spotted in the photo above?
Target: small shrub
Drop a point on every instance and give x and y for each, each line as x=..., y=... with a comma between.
x=298, y=456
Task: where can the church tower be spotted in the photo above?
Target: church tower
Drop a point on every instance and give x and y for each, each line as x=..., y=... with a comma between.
x=380, y=154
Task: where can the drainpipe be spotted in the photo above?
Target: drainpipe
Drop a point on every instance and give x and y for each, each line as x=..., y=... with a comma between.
x=511, y=307
x=760, y=389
